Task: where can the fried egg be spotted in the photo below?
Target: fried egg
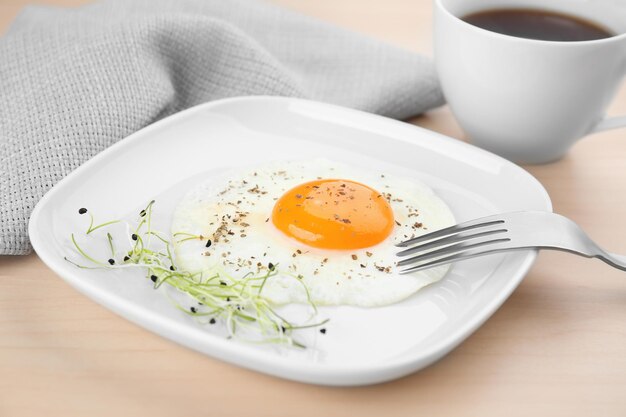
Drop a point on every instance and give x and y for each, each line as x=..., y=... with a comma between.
x=329, y=226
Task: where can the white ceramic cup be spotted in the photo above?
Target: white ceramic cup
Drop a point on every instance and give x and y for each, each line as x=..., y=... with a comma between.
x=529, y=100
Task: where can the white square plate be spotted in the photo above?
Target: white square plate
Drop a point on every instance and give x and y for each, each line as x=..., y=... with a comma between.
x=361, y=346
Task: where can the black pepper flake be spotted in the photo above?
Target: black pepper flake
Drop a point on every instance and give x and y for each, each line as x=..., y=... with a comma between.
x=397, y=222
x=153, y=278
x=222, y=283
x=172, y=267
x=212, y=321
x=134, y=236
x=82, y=211
x=298, y=195
x=193, y=310
x=283, y=329
x=111, y=261
x=323, y=330
x=270, y=266
x=354, y=257
x=208, y=243
x=142, y=213
x=228, y=299
x=126, y=258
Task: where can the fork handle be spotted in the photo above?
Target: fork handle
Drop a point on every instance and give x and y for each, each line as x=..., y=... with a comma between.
x=615, y=260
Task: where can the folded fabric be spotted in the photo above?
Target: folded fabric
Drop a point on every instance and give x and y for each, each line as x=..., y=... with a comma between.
x=75, y=81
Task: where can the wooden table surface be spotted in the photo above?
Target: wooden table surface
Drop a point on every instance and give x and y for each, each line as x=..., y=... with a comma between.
x=556, y=347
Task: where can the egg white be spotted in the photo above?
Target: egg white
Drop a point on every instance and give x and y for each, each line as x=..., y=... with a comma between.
x=234, y=213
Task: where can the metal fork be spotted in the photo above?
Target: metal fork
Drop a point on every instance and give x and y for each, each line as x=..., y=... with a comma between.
x=501, y=233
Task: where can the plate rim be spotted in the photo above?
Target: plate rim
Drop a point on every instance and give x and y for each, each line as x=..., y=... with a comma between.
x=346, y=375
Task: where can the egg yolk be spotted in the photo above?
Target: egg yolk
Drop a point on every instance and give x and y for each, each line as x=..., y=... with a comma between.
x=334, y=214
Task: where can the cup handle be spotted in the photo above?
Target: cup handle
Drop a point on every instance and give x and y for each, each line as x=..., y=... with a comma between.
x=609, y=123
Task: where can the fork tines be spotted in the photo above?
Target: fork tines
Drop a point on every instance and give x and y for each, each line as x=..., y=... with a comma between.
x=462, y=241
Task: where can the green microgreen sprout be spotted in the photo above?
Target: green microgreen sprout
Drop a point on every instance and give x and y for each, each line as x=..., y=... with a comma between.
x=187, y=236
x=91, y=227
x=218, y=296
x=110, y=239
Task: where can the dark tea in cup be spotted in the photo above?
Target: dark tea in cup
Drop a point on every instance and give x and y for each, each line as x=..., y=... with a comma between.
x=538, y=24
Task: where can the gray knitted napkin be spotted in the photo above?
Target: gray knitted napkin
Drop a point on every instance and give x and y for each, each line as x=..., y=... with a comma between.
x=75, y=81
